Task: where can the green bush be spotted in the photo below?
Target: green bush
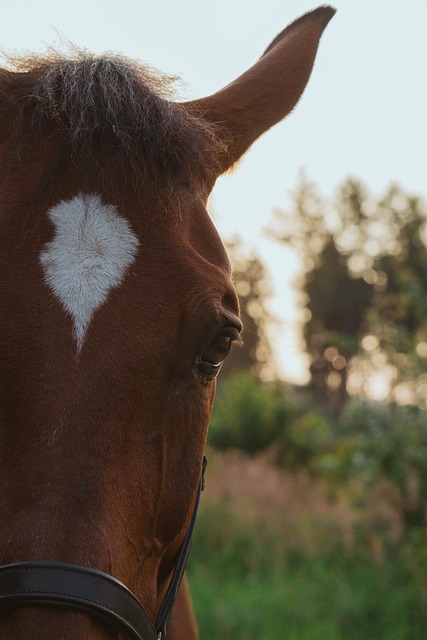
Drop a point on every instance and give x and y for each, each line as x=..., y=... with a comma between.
x=249, y=414
x=389, y=440
x=367, y=441
x=304, y=439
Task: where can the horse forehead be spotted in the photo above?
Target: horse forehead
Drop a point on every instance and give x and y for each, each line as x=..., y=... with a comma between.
x=91, y=251
x=95, y=245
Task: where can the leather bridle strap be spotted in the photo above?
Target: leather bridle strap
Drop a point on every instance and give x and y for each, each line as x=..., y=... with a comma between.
x=74, y=587
x=94, y=592
x=172, y=591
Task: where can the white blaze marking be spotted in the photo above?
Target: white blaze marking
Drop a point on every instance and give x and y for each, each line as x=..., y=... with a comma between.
x=91, y=251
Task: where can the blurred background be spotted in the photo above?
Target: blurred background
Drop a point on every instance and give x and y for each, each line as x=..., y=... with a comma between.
x=313, y=524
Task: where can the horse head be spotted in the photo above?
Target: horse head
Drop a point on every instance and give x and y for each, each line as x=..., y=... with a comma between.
x=117, y=309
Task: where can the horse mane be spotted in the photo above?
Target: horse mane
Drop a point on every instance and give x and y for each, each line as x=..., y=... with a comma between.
x=110, y=110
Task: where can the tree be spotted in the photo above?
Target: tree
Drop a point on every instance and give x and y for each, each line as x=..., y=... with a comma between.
x=335, y=296
x=398, y=318
x=252, y=285
x=364, y=286
x=337, y=305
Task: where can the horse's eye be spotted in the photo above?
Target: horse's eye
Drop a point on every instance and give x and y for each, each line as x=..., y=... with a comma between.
x=210, y=362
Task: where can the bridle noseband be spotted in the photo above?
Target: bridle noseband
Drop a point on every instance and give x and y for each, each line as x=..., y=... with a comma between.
x=94, y=592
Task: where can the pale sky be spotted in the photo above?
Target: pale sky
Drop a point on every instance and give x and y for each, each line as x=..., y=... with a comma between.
x=362, y=114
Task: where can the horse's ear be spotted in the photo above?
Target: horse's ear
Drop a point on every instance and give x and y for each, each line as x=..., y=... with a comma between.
x=268, y=91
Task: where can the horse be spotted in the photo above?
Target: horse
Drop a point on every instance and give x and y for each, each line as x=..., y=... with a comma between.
x=117, y=312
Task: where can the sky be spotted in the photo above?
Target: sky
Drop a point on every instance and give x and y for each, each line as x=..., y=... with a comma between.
x=362, y=114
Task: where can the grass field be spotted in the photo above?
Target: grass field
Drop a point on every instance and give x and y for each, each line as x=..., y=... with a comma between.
x=274, y=558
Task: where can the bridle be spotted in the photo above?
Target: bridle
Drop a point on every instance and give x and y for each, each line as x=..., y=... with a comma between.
x=94, y=592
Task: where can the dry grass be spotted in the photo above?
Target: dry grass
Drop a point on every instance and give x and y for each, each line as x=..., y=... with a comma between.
x=301, y=510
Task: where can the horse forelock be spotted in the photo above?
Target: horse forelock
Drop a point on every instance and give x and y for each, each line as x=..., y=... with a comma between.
x=111, y=111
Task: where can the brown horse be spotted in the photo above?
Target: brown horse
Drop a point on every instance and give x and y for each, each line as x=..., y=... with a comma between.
x=117, y=310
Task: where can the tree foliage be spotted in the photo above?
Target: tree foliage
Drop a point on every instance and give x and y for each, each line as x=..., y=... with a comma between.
x=364, y=288
x=332, y=328
x=253, y=288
